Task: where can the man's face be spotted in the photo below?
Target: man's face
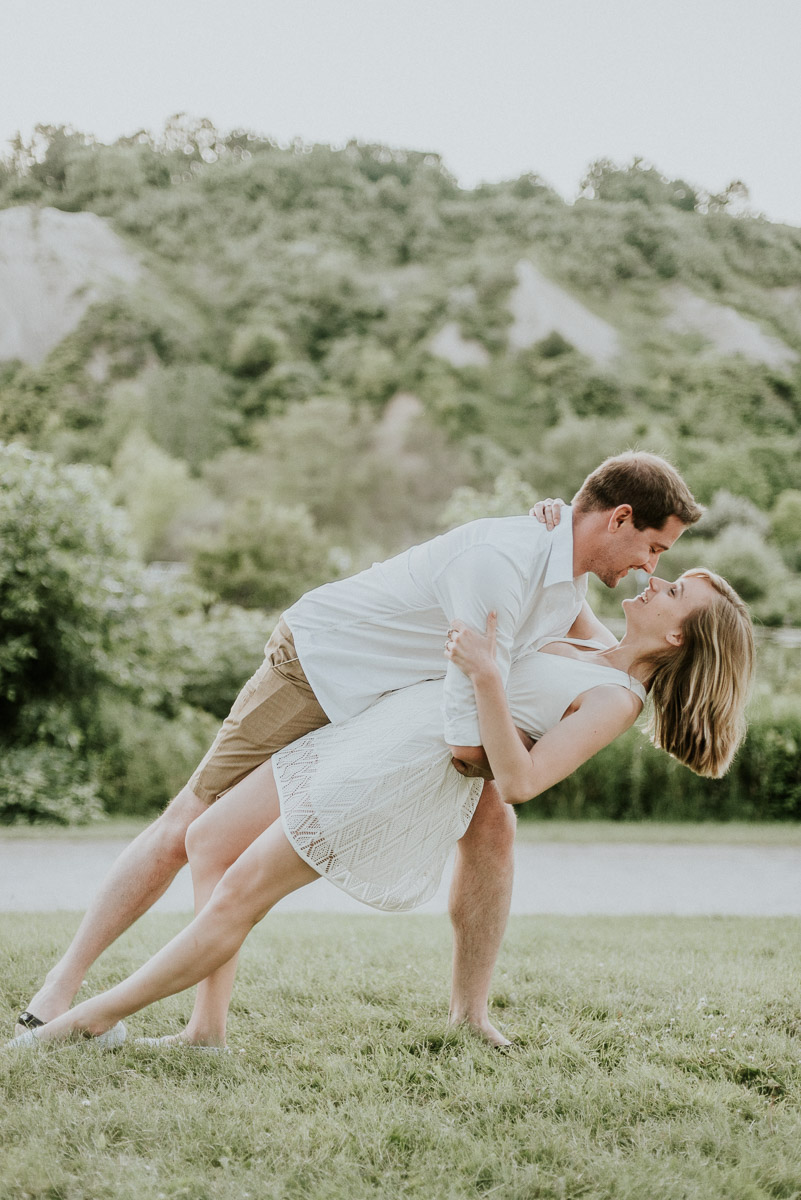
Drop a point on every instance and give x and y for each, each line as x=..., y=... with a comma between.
x=626, y=548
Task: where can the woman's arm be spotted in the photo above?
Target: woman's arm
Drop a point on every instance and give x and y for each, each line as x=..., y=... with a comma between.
x=472, y=762
x=603, y=713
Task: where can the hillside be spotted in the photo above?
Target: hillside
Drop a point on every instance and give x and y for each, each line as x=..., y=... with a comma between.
x=316, y=347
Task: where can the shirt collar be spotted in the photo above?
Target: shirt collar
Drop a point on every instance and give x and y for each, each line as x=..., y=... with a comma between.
x=560, y=557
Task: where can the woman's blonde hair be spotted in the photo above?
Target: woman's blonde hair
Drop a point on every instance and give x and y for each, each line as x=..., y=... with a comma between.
x=699, y=689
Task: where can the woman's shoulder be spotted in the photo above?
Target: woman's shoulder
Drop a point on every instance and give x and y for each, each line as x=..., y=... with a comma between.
x=611, y=699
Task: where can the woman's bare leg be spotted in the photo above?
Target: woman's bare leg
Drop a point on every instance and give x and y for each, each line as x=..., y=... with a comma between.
x=266, y=872
x=214, y=842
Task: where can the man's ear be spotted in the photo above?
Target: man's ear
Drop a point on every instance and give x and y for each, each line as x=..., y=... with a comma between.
x=621, y=515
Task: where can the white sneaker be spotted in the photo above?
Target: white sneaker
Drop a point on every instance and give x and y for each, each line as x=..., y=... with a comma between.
x=109, y=1040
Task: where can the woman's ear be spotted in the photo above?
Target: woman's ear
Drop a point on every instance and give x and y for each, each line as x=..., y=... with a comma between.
x=675, y=637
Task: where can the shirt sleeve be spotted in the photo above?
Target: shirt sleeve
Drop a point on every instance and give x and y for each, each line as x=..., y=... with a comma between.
x=476, y=582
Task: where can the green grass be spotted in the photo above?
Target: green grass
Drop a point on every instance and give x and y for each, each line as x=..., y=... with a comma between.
x=690, y=833
x=123, y=828
x=657, y=1059
x=530, y=830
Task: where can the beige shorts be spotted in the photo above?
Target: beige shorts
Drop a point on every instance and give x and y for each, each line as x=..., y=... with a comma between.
x=275, y=707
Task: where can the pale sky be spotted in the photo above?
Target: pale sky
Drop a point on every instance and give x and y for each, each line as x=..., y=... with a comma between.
x=709, y=90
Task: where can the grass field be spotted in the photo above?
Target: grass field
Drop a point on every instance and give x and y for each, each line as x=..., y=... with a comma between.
x=657, y=1058
x=691, y=833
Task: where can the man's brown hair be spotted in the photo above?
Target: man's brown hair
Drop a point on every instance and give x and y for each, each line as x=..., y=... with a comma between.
x=653, y=488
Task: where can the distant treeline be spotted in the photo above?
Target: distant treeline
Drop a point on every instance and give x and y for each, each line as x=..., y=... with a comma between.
x=265, y=408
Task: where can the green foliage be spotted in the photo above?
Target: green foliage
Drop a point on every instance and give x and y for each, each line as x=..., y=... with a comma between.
x=186, y=410
x=263, y=556
x=785, y=522
x=271, y=376
x=221, y=647
x=109, y=677
x=143, y=758
x=742, y=557
x=509, y=497
x=45, y=783
x=726, y=510
x=638, y=182
x=630, y=780
x=256, y=348
x=158, y=494
x=371, y=483
x=66, y=581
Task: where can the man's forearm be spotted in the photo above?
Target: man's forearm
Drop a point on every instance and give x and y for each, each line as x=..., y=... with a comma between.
x=471, y=761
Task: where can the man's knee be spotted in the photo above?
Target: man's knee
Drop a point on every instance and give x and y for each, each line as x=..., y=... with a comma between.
x=169, y=831
x=493, y=826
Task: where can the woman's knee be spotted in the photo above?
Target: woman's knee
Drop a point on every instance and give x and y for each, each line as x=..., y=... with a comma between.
x=204, y=846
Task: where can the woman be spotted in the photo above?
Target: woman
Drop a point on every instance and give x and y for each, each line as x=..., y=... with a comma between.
x=375, y=805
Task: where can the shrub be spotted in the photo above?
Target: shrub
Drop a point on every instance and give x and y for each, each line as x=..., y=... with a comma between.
x=255, y=348
x=144, y=758
x=44, y=783
x=726, y=510
x=785, y=523
x=223, y=648
x=68, y=582
x=630, y=780
x=510, y=497
x=741, y=556
x=264, y=556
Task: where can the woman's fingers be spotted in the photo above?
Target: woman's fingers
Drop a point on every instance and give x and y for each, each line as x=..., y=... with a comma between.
x=492, y=625
x=548, y=512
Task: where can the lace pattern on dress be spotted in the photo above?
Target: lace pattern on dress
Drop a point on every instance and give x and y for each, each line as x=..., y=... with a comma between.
x=382, y=833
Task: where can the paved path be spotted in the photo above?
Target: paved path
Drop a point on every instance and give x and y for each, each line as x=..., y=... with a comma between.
x=47, y=875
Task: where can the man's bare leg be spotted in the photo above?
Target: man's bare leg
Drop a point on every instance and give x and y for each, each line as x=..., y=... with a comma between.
x=141, y=874
x=479, y=902
x=268, y=870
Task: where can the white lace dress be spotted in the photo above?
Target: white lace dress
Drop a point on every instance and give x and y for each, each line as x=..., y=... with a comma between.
x=373, y=803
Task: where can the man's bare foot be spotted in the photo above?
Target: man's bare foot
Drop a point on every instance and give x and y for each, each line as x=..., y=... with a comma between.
x=482, y=1029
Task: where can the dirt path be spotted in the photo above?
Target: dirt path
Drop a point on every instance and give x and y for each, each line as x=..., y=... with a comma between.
x=44, y=876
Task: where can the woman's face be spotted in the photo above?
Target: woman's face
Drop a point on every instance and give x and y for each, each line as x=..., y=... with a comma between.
x=661, y=610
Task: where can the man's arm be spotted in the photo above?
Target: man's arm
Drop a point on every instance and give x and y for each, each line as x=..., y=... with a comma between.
x=478, y=581
x=587, y=627
x=472, y=761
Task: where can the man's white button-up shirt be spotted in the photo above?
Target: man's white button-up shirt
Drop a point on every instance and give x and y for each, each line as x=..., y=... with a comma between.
x=385, y=628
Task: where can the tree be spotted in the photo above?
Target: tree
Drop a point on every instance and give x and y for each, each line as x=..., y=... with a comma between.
x=157, y=492
x=640, y=181
x=68, y=583
x=265, y=555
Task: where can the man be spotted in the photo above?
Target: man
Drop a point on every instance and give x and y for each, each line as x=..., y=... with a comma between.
x=345, y=644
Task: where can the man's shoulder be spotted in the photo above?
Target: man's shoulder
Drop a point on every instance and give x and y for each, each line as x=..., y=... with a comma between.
x=490, y=545
x=500, y=530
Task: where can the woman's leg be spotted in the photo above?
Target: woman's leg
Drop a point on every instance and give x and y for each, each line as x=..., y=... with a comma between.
x=267, y=871
x=213, y=844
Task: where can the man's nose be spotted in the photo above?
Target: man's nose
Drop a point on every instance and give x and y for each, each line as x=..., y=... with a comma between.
x=649, y=566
